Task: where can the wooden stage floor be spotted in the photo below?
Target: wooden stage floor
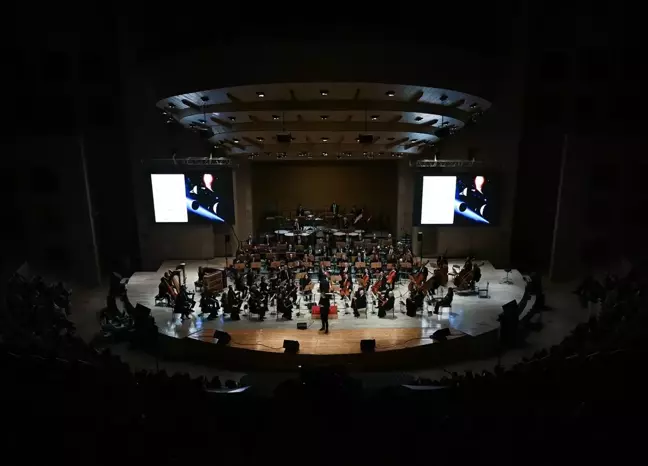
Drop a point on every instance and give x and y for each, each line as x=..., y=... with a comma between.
x=469, y=315
x=312, y=341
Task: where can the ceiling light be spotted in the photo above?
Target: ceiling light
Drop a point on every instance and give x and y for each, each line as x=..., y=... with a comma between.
x=323, y=92
x=171, y=105
x=418, y=118
x=215, y=114
x=275, y=117
x=324, y=139
x=260, y=139
x=236, y=141
x=473, y=105
x=324, y=154
x=390, y=93
x=374, y=117
x=324, y=117
x=348, y=154
x=201, y=121
x=357, y=139
x=232, y=118
x=260, y=94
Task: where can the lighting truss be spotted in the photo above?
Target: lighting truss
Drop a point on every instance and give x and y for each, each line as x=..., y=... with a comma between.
x=433, y=163
x=192, y=161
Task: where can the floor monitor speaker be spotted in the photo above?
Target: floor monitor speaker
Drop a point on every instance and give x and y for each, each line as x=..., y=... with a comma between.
x=291, y=346
x=367, y=346
x=223, y=337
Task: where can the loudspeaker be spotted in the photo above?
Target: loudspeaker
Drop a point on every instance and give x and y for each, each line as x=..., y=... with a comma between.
x=302, y=325
x=419, y=236
x=441, y=335
x=291, y=346
x=227, y=239
x=367, y=346
x=223, y=337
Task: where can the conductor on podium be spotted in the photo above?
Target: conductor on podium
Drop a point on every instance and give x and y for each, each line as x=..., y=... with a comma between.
x=325, y=306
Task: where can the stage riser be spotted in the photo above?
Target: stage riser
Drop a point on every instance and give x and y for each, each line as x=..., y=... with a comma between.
x=422, y=356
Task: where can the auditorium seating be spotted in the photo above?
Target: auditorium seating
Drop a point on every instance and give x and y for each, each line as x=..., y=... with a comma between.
x=595, y=373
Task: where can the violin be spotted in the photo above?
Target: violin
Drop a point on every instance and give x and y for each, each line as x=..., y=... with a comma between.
x=391, y=276
x=346, y=288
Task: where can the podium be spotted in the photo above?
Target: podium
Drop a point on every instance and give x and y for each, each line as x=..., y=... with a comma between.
x=333, y=311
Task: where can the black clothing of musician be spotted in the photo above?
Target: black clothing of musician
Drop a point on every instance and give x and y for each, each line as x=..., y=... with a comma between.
x=334, y=208
x=359, y=302
x=413, y=303
x=324, y=286
x=387, y=306
x=445, y=302
x=325, y=307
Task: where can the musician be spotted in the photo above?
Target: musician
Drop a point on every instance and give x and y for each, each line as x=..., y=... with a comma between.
x=249, y=240
x=300, y=211
x=325, y=308
x=359, y=216
x=239, y=283
x=296, y=225
x=386, y=305
x=250, y=278
x=414, y=302
x=304, y=282
x=284, y=306
x=209, y=303
x=345, y=223
x=284, y=274
x=359, y=301
x=442, y=261
x=335, y=209
x=183, y=304
x=354, y=210
x=163, y=291
x=445, y=302
x=232, y=299
x=263, y=286
x=366, y=278
x=362, y=256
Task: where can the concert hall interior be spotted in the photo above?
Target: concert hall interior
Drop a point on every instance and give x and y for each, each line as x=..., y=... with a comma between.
x=337, y=215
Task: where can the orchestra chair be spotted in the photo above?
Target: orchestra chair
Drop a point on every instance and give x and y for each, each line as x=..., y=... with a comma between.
x=482, y=291
x=364, y=309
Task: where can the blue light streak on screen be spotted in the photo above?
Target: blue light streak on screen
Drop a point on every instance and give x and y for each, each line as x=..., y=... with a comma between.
x=469, y=214
x=203, y=212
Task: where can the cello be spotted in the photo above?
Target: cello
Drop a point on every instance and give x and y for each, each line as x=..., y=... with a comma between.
x=416, y=279
x=391, y=276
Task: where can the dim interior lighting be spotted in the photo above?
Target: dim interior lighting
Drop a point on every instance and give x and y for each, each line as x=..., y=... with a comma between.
x=325, y=139
x=236, y=141
x=260, y=139
x=232, y=118
x=390, y=93
x=275, y=117
x=260, y=94
x=374, y=117
x=323, y=92
x=324, y=117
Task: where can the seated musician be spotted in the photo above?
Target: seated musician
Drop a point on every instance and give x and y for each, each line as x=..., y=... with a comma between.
x=209, y=304
x=386, y=305
x=255, y=304
x=414, y=302
x=345, y=271
x=362, y=256
x=284, y=274
x=184, y=304
x=284, y=306
x=366, y=278
x=382, y=281
x=263, y=286
x=445, y=302
x=239, y=283
x=163, y=291
x=375, y=256
x=232, y=299
x=304, y=281
x=359, y=301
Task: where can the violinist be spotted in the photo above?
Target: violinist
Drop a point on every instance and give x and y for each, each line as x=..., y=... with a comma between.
x=359, y=301
x=386, y=305
x=284, y=274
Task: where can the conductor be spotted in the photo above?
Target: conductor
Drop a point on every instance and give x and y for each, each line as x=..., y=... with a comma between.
x=325, y=306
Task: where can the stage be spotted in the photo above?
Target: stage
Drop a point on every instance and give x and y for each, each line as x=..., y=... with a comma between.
x=470, y=318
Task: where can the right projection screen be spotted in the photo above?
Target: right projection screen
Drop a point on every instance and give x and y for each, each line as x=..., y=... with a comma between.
x=456, y=200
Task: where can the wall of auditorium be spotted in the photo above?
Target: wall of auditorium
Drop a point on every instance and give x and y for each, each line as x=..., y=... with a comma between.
x=281, y=187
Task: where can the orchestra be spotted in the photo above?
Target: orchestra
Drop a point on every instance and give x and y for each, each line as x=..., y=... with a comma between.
x=277, y=273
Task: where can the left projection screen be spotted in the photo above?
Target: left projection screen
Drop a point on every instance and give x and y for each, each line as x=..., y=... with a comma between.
x=169, y=199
